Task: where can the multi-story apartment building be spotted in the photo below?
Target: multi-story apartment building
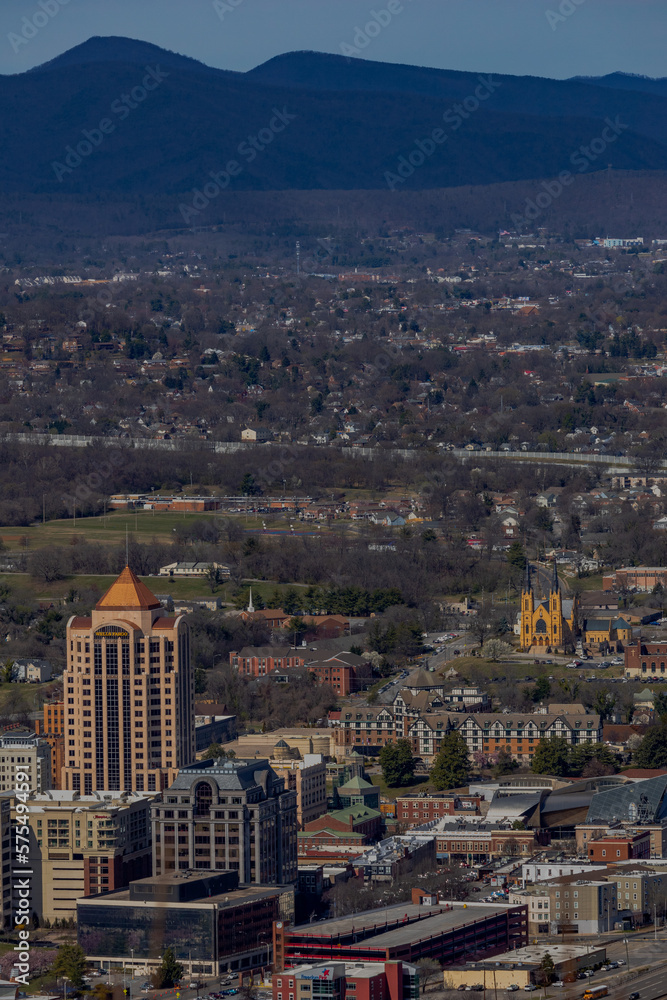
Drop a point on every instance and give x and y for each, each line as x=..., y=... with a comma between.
x=538, y=900
x=620, y=846
x=583, y=907
x=21, y=748
x=308, y=779
x=363, y=725
x=589, y=836
x=344, y=672
x=128, y=693
x=51, y=727
x=415, y=808
x=259, y=661
x=468, y=699
x=407, y=707
x=640, y=892
x=377, y=725
x=487, y=734
x=82, y=845
x=643, y=578
x=227, y=814
x=481, y=842
x=54, y=717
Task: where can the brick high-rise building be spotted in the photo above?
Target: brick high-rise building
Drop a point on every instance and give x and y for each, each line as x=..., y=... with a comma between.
x=128, y=692
x=52, y=729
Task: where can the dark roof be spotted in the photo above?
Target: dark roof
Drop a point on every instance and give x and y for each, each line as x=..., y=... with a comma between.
x=228, y=775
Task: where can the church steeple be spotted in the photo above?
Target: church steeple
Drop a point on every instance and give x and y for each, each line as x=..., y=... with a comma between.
x=251, y=609
x=555, y=586
x=527, y=585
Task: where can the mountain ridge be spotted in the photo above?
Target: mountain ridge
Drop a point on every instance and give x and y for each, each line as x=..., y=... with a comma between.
x=351, y=124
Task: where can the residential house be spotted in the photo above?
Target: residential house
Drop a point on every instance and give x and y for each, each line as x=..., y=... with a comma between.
x=258, y=435
x=31, y=670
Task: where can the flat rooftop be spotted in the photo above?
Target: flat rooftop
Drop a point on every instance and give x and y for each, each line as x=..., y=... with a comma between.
x=533, y=955
x=434, y=920
x=353, y=970
x=224, y=899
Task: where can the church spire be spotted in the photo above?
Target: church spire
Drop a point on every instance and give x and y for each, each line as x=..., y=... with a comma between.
x=555, y=584
x=251, y=609
x=527, y=586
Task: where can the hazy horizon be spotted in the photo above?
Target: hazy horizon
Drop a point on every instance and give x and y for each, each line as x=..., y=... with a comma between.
x=547, y=38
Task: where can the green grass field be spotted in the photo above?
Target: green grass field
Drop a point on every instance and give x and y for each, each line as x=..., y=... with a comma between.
x=418, y=785
x=144, y=526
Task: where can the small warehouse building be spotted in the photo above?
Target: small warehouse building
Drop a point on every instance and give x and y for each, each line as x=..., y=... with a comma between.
x=523, y=966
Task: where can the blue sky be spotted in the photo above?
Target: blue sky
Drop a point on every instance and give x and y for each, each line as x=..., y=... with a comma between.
x=557, y=38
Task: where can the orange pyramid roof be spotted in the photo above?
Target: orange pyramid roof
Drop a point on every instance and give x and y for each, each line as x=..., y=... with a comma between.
x=128, y=592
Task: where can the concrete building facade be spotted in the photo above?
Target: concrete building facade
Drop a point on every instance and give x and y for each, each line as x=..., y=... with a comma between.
x=227, y=814
x=582, y=907
x=308, y=779
x=82, y=845
x=22, y=747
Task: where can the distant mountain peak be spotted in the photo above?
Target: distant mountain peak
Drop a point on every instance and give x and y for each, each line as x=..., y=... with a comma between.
x=118, y=49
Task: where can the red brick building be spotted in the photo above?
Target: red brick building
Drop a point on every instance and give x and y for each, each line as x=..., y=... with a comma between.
x=363, y=981
x=416, y=808
x=646, y=660
x=357, y=819
x=344, y=672
x=258, y=661
x=624, y=847
x=643, y=578
x=363, y=725
x=52, y=729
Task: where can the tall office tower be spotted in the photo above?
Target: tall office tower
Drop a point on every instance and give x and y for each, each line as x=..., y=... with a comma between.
x=128, y=694
x=228, y=814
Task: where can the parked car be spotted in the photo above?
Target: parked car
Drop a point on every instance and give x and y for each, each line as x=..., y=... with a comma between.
x=558, y=983
x=530, y=988
x=620, y=961
x=513, y=988
x=634, y=996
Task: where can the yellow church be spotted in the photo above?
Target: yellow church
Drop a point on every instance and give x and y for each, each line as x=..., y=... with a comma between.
x=550, y=623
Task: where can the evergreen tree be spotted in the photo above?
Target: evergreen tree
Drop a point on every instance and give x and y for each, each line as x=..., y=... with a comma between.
x=397, y=763
x=168, y=973
x=551, y=757
x=653, y=751
x=70, y=963
x=451, y=767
